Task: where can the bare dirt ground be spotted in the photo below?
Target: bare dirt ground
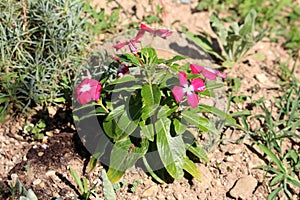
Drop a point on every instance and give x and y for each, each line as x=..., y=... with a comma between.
x=231, y=174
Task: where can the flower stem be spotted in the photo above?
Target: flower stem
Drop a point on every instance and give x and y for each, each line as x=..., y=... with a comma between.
x=99, y=102
x=137, y=56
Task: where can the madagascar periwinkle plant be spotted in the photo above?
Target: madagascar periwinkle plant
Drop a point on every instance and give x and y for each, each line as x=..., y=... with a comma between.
x=149, y=110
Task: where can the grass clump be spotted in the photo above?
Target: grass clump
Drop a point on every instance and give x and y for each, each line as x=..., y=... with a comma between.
x=42, y=44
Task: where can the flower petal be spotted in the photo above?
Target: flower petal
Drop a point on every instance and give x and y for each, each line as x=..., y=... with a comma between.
x=138, y=36
x=196, y=69
x=182, y=78
x=193, y=100
x=148, y=29
x=178, y=93
x=163, y=33
x=121, y=45
x=198, y=85
x=84, y=96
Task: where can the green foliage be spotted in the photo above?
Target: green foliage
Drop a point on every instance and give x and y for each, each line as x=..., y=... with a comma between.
x=280, y=17
x=144, y=117
x=83, y=186
x=98, y=21
x=37, y=130
x=281, y=124
x=283, y=171
x=17, y=186
x=41, y=45
x=236, y=41
x=108, y=190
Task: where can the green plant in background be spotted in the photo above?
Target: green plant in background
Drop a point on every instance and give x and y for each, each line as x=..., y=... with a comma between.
x=98, y=21
x=283, y=170
x=41, y=46
x=37, y=130
x=235, y=41
x=86, y=192
x=280, y=126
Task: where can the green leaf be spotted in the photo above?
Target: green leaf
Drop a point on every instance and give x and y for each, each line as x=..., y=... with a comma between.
x=123, y=156
x=85, y=185
x=204, y=44
x=202, y=123
x=151, y=171
x=123, y=79
x=293, y=181
x=180, y=128
x=277, y=179
x=219, y=28
x=192, y=169
x=126, y=57
x=165, y=111
x=77, y=179
x=198, y=151
x=175, y=58
x=171, y=149
x=148, y=131
x=151, y=98
x=274, y=193
x=108, y=189
x=228, y=118
x=118, y=128
x=149, y=55
x=272, y=156
x=228, y=64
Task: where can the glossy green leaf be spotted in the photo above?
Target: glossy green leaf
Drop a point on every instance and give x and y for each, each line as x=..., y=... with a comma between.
x=151, y=171
x=149, y=55
x=180, y=128
x=199, y=152
x=120, y=127
x=192, y=169
x=202, y=123
x=228, y=118
x=123, y=156
x=147, y=131
x=171, y=149
x=151, y=98
x=128, y=57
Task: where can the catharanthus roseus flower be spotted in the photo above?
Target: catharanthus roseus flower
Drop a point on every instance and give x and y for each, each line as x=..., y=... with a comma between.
x=131, y=42
x=88, y=90
x=210, y=74
x=163, y=33
x=196, y=85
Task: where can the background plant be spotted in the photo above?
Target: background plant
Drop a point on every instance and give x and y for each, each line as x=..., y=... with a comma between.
x=42, y=45
x=235, y=41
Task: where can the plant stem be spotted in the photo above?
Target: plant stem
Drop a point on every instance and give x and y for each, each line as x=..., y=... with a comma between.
x=99, y=102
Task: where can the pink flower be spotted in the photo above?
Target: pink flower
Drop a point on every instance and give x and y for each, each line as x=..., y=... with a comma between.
x=197, y=85
x=163, y=33
x=131, y=42
x=210, y=74
x=88, y=90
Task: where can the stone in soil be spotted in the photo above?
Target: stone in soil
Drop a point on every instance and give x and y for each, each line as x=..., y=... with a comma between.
x=243, y=187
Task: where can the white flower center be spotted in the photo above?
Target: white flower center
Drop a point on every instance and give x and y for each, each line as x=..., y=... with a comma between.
x=189, y=89
x=85, y=88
